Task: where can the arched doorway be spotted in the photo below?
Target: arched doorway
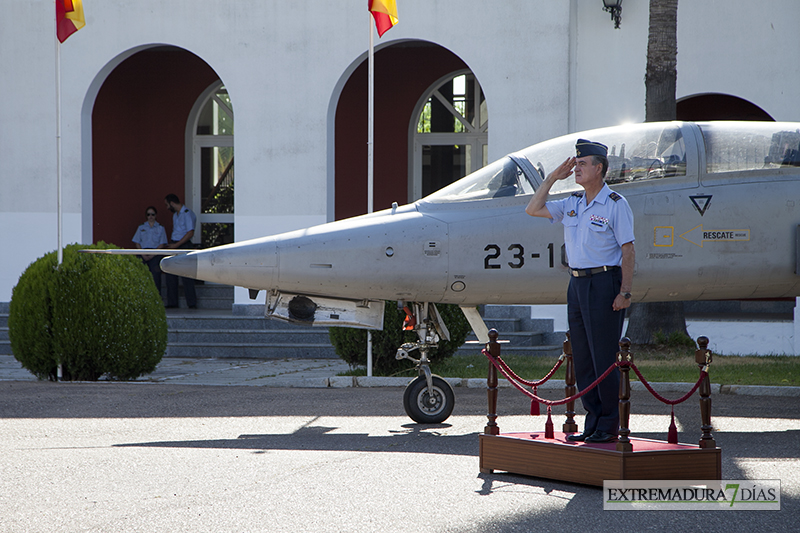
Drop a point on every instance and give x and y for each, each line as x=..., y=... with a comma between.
x=138, y=127
x=406, y=75
x=209, y=156
x=450, y=138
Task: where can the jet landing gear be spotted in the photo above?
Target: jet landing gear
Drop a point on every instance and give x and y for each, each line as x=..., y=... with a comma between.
x=428, y=399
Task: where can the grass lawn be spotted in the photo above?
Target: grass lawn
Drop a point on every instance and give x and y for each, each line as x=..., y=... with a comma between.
x=657, y=364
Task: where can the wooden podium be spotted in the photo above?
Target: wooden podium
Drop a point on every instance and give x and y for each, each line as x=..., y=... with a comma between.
x=531, y=454
x=550, y=455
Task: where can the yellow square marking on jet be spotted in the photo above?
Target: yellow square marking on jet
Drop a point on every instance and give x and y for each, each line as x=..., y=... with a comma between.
x=663, y=236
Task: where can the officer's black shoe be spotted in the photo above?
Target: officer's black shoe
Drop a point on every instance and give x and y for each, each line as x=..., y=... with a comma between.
x=578, y=437
x=601, y=436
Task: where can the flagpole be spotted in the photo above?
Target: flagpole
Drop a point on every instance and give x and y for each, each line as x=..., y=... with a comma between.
x=60, y=252
x=371, y=121
x=370, y=153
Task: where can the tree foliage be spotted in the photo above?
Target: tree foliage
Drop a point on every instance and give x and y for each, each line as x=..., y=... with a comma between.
x=351, y=343
x=93, y=314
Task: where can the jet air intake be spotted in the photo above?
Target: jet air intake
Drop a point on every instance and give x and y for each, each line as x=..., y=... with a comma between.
x=320, y=311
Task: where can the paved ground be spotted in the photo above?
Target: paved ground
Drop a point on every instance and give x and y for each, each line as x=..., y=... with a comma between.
x=204, y=371
x=166, y=454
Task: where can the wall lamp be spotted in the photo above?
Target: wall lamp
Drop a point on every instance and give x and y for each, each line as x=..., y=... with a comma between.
x=615, y=8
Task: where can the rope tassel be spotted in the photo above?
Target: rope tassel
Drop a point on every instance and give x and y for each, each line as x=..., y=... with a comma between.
x=672, y=434
x=534, y=404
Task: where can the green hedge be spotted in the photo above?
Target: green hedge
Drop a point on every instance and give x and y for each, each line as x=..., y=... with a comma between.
x=95, y=314
x=351, y=343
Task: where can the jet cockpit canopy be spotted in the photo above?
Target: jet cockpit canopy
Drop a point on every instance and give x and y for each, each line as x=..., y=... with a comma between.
x=635, y=152
x=638, y=151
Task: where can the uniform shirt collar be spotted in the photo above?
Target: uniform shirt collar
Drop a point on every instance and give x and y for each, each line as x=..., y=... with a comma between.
x=602, y=196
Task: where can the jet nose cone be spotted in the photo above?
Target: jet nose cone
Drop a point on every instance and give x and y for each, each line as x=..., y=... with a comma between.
x=180, y=265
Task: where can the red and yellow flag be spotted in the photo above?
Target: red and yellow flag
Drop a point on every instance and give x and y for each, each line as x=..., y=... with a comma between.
x=385, y=14
x=69, y=18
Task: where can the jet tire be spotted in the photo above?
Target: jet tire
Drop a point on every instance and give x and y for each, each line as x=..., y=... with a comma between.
x=423, y=409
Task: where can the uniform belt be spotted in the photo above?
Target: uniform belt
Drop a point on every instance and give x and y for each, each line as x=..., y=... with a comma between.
x=583, y=272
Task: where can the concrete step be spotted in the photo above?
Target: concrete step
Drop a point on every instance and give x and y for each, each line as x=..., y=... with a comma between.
x=251, y=351
x=220, y=334
x=209, y=296
x=217, y=332
x=511, y=318
x=196, y=319
x=238, y=336
x=503, y=325
x=5, y=343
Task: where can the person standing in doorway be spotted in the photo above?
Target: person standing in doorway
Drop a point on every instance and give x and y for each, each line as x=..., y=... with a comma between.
x=151, y=235
x=598, y=233
x=183, y=227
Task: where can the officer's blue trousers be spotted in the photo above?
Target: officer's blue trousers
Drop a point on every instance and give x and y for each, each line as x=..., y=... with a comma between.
x=188, y=286
x=595, y=329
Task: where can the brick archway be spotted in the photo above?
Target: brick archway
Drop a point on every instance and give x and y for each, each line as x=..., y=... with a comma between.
x=403, y=72
x=138, y=138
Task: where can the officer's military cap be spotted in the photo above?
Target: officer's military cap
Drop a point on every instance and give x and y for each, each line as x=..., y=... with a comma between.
x=585, y=148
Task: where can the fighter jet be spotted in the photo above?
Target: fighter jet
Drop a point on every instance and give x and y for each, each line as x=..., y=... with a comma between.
x=716, y=208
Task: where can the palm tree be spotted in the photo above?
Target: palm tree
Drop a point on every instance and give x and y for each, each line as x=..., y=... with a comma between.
x=660, y=80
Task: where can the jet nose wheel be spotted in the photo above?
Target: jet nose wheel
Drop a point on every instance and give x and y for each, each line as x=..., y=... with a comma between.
x=426, y=408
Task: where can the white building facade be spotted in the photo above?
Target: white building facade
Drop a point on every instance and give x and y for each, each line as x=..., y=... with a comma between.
x=544, y=68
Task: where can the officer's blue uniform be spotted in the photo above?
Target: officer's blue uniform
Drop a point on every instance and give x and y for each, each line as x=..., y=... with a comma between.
x=183, y=222
x=151, y=237
x=594, y=235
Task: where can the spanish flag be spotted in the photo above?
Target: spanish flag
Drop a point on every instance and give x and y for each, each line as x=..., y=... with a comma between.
x=385, y=14
x=69, y=18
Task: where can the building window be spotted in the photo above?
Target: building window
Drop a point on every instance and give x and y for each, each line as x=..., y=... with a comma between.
x=450, y=139
x=213, y=166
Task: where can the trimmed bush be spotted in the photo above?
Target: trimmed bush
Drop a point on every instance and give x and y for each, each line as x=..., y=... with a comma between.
x=95, y=314
x=351, y=343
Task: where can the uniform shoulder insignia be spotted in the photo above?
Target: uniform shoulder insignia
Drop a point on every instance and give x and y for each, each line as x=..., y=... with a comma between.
x=614, y=196
x=579, y=194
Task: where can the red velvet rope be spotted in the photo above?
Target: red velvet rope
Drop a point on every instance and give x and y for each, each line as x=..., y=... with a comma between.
x=660, y=398
x=535, y=383
x=543, y=400
x=513, y=378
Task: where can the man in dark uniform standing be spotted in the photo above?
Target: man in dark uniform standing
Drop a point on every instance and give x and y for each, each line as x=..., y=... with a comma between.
x=598, y=233
x=184, y=222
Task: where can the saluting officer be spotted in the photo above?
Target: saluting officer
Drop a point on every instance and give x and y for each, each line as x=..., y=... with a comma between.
x=598, y=233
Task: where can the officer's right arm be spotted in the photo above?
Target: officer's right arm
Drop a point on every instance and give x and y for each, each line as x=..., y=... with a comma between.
x=536, y=207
